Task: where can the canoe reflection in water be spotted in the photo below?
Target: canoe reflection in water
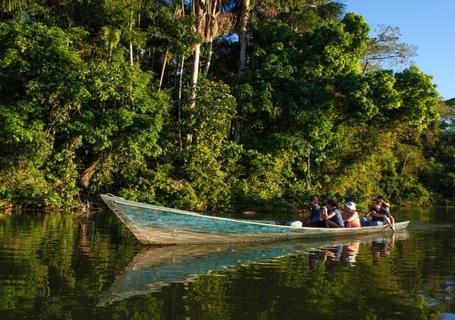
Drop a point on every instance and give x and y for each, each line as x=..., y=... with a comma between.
x=382, y=248
x=154, y=268
x=346, y=254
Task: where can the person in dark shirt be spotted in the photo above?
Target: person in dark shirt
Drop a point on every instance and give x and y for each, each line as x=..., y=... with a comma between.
x=382, y=213
x=379, y=213
x=315, y=216
x=315, y=213
x=333, y=217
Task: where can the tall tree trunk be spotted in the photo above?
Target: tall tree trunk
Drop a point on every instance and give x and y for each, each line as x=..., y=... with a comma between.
x=308, y=174
x=242, y=59
x=179, y=108
x=243, y=34
x=194, y=78
x=182, y=62
x=131, y=42
x=209, y=58
x=131, y=54
x=163, y=69
x=138, y=51
x=195, y=73
x=197, y=12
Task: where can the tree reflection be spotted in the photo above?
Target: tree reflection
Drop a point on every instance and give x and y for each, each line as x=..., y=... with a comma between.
x=56, y=266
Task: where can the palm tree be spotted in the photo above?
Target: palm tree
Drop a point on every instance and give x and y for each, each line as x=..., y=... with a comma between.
x=326, y=9
x=13, y=5
x=210, y=22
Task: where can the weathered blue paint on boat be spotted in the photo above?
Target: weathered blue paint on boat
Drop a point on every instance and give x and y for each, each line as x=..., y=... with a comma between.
x=196, y=222
x=165, y=226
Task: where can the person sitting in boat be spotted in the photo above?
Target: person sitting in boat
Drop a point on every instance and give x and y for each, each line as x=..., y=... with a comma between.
x=315, y=213
x=332, y=217
x=315, y=216
x=350, y=215
x=385, y=204
x=379, y=213
x=386, y=216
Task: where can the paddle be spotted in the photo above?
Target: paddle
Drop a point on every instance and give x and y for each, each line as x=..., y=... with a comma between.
x=390, y=225
x=387, y=205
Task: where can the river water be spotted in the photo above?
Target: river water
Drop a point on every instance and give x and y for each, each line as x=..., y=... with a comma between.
x=60, y=266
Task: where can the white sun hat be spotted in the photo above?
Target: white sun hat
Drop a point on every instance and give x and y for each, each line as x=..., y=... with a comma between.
x=350, y=205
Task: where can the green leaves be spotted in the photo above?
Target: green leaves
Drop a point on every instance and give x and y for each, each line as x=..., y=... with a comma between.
x=53, y=98
x=80, y=114
x=420, y=97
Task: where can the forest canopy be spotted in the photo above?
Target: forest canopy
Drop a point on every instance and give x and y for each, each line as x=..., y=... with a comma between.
x=214, y=105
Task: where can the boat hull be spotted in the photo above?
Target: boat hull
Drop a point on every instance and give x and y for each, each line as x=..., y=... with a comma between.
x=165, y=226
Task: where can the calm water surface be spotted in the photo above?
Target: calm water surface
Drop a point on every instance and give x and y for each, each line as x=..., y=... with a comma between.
x=58, y=266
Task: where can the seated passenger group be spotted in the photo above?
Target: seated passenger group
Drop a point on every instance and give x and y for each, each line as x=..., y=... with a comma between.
x=330, y=216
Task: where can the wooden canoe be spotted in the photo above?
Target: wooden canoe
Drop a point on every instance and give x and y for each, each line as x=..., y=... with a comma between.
x=157, y=225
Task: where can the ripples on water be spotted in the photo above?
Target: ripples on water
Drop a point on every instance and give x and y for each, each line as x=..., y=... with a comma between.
x=57, y=266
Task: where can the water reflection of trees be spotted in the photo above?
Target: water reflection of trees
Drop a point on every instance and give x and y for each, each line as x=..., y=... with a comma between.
x=47, y=258
x=354, y=280
x=318, y=285
x=56, y=266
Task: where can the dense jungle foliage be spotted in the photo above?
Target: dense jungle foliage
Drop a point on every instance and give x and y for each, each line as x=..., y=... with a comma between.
x=214, y=105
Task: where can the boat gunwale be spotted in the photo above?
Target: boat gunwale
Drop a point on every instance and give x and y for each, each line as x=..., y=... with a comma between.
x=194, y=214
